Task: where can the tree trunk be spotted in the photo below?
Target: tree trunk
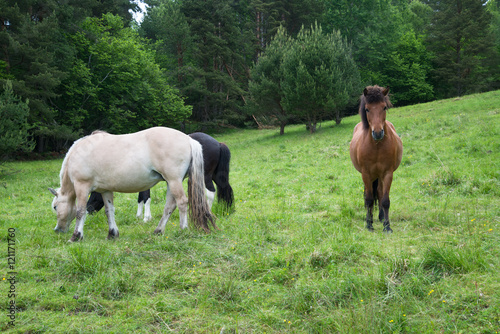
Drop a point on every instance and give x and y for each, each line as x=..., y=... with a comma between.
x=338, y=119
x=282, y=128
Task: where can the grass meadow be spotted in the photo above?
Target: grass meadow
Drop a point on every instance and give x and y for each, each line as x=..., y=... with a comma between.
x=293, y=256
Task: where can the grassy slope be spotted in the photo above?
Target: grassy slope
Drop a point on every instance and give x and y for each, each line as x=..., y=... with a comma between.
x=294, y=254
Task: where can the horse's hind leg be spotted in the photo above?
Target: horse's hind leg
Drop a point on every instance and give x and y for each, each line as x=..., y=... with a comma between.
x=110, y=213
x=210, y=189
x=182, y=203
x=170, y=206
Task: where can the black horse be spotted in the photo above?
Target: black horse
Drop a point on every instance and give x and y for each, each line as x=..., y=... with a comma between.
x=216, y=158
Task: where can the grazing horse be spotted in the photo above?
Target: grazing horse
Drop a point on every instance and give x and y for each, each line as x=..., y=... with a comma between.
x=376, y=151
x=133, y=162
x=216, y=159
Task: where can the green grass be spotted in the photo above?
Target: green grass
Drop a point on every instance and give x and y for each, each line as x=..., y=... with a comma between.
x=293, y=256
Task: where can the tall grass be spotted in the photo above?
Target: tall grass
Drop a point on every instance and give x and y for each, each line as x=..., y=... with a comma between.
x=293, y=255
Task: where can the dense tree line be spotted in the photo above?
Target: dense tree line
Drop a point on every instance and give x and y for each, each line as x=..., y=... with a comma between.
x=71, y=67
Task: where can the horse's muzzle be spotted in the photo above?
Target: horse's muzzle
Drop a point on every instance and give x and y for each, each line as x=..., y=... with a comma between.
x=378, y=135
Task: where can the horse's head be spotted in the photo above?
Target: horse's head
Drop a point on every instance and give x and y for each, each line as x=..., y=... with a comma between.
x=374, y=104
x=65, y=207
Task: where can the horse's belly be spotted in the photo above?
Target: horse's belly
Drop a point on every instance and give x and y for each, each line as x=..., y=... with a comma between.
x=130, y=183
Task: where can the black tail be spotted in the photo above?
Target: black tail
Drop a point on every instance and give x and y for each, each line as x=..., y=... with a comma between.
x=375, y=191
x=221, y=177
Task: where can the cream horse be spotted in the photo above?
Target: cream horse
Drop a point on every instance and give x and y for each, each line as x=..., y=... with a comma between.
x=131, y=163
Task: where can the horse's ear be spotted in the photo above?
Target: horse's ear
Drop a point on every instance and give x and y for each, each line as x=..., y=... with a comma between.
x=365, y=91
x=385, y=91
x=53, y=192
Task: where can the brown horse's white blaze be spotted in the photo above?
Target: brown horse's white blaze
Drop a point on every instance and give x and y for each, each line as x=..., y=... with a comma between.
x=134, y=162
x=376, y=152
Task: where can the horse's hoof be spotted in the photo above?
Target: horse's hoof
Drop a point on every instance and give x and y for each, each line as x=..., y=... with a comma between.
x=113, y=234
x=370, y=228
x=158, y=231
x=77, y=236
x=387, y=230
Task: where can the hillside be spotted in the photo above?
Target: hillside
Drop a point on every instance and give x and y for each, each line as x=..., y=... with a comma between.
x=293, y=256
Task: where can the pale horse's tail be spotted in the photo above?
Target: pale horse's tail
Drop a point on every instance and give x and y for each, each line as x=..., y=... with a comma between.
x=199, y=211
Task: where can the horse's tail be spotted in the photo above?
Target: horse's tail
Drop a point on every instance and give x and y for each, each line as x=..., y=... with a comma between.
x=375, y=191
x=200, y=213
x=224, y=190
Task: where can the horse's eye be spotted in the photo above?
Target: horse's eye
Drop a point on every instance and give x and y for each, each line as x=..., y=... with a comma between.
x=366, y=110
x=55, y=208
x=385, y=108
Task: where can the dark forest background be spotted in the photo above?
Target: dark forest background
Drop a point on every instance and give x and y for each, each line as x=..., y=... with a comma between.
x=69, y=67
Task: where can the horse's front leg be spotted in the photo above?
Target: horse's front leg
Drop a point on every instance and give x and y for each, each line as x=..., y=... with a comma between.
x=110, y=213
x=369, y=201
x=385, y=202
x=82, y=193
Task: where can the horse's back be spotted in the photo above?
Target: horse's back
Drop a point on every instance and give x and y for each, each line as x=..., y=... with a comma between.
x=211, y=150
x=130, y=162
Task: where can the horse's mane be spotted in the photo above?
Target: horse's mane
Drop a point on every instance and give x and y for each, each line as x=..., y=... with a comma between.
x=65, y=161
x=372, y=94
x=63, y=167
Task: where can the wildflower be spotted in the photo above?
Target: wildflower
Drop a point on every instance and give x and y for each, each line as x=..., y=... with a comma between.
x=391, y=320
x=431, y=292
x=473, y=219
x=404, y=315
x=361, y=300
x=490, y=230
x=444, y=301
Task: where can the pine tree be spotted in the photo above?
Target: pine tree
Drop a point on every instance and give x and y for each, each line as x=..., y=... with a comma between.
x=265, y=84
x=223, y=52
x=13, y=123
x=460, y=39
x=319, y=76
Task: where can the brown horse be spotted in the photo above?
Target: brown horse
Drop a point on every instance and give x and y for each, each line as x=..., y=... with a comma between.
x=376, y=152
